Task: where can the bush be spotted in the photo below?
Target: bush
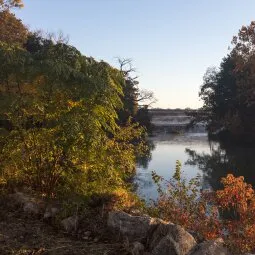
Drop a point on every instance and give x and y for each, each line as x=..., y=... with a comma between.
x=228, y=213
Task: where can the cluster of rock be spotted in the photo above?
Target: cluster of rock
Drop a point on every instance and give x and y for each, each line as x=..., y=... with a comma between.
x=35, y=206
x=156, y=237
x=145, y=235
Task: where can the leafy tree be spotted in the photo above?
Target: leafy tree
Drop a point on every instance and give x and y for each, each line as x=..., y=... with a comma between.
x=12, y=29
x=62, y=107
x=7, y=4
x=228, y=93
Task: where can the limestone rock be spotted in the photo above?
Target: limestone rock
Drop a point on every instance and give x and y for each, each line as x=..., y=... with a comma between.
x=135, y=228
x=171, y=239
x=212, y=247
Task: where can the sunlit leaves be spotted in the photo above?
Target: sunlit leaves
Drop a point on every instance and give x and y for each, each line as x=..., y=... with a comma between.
x=63, y=110
x=7, y=4
x=228, y=213
x=12, y=29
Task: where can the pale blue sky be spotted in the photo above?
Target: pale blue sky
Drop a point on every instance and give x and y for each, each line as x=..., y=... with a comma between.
x=171, y=43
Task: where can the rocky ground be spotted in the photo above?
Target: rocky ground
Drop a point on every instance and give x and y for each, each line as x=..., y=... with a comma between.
x=30, y=226
x=26, y=234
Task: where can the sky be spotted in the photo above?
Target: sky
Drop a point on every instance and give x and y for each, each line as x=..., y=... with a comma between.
x=171, y=42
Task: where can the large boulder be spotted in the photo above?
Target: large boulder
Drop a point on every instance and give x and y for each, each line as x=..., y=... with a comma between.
x=170, y=239
x=212, y=247
x=135, y=228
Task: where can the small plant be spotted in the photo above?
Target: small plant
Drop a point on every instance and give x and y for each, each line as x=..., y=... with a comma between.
x=185, y=204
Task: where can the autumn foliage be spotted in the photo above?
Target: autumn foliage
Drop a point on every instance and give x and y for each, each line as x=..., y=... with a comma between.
x=228, y=213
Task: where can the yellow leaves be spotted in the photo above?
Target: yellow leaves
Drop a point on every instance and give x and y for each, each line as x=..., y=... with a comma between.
x=12, y=29
x=71, y=104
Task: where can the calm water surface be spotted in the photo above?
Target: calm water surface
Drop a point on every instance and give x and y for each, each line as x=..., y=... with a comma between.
x=212, y=160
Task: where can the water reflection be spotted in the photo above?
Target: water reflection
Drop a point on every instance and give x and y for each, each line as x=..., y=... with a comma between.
x=198, y=155
x=143, y=160
x=168, y=149
x=224, y=158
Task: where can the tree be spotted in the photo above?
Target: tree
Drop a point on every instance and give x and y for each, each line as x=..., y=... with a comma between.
x=244, y=56
x=135, y=100
x=229, y=93
x=62, y=107
x=219, y=94
x=12, y=29
x=7, y=4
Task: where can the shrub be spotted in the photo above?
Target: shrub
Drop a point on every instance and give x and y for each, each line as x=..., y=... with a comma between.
x=228, y=213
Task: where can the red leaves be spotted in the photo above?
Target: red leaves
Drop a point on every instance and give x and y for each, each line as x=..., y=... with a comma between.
x=208, y=215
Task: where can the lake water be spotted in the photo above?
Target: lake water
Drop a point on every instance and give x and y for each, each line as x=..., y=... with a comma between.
x=198, y=155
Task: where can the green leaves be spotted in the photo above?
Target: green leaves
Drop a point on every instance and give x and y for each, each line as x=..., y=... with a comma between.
x=63, y=110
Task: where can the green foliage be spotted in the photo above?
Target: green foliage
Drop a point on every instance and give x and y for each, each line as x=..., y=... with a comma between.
x=61, y=108
x=179, y=193
x=182, y=202
x=227, y=213
x=228, y=93
x=132, y=98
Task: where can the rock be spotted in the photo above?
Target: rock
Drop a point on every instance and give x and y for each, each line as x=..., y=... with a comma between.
x=87, y=233
x=19, y=198
x=31, y=208
x=51, y=211
x=137, y=248
x=96, y=239
x=170, y=239
x=70, y=224
x=30, y=204
x=135, y=228
x=212, y=247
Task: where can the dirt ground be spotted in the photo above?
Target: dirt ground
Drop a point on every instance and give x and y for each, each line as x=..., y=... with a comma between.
x=27, y=235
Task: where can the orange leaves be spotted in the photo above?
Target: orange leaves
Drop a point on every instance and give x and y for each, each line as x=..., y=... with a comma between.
x=71, y=104
x=12, y=29
x=238, y=197
x=236, y=194
x=228, y=213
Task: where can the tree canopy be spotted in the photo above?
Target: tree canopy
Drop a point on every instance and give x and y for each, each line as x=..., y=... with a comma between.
x=229, y=91
x=60, y=116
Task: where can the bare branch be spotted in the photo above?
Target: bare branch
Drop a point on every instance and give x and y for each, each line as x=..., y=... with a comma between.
x=147, y=97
